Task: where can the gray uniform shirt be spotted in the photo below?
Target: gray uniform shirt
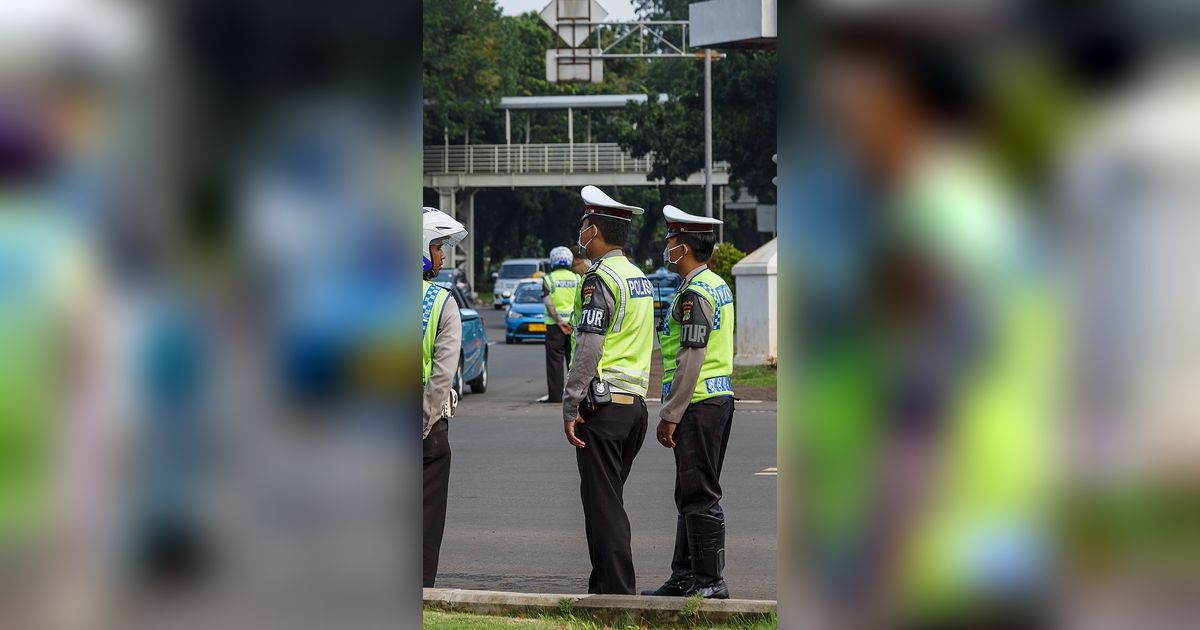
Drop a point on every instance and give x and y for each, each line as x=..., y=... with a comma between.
x=588, y=347
x=690, y=359
x=446, y=348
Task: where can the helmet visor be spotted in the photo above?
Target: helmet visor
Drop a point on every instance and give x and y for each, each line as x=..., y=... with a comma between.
x=447, y=243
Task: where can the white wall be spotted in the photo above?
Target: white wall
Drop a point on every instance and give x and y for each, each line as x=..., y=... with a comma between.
x=755, y=277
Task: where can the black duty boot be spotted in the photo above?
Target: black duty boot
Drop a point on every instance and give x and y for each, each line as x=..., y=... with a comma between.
x=680, y=581
x=706, y=540
x=675, y=586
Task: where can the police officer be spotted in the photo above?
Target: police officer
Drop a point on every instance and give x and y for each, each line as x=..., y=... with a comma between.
x=580, y=264
x=604, y=406
x=696, y=339
x=558, y=295
x=441, y=341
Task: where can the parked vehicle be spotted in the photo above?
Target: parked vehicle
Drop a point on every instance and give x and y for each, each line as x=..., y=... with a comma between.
x=458, y=278
x=511, y=273
x=526, y=317
x=666, y=284
x=473, y=363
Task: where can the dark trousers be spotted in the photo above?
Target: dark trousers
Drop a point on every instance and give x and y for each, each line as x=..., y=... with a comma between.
x=701, y=438
x=436, y=447
x=613, y=436
x=558, y=359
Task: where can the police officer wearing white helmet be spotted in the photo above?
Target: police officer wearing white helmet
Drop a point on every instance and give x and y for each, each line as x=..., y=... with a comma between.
x=441, y=342
x=558, y=295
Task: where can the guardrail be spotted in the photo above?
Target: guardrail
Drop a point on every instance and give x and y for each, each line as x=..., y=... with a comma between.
x=602, y=157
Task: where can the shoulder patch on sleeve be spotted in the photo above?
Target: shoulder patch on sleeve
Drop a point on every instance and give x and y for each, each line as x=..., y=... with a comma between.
x=594, y=313
x=695, y=327
x=591, y=284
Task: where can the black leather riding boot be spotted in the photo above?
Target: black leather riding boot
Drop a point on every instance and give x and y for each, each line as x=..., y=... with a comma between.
x=706, y=541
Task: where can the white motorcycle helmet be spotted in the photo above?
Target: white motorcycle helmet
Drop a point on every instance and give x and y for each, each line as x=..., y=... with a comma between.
x=438, y=228
x=561, y=257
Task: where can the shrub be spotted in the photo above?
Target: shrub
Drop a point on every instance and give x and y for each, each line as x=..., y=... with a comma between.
x=723, y=258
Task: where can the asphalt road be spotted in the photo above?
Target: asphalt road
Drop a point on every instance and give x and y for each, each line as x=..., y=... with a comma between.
x=515, y=522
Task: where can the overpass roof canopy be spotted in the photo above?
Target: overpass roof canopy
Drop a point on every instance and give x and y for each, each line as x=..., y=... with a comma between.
x=573, y=101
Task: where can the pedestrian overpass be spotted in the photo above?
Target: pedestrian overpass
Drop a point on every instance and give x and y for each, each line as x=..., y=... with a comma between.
x=457, y=171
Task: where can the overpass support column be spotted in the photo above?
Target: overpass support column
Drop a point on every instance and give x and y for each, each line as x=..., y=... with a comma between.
x=469, y=242
x=446, y=203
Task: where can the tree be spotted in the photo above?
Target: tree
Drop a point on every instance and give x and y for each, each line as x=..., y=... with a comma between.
x=744, y=99
x=743, y=107
x=460, y=80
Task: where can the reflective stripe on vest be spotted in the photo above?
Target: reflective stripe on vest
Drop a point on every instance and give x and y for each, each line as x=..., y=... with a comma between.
x=714, y=379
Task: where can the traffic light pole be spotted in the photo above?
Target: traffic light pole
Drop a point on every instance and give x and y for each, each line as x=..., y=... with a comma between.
x=708, y=196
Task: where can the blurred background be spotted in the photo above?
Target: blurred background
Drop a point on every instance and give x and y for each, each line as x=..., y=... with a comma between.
x=991, y=209
x=990, y=416
x=204, y=217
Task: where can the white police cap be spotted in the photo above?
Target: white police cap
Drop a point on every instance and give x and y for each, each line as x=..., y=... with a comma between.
x=679, y=221
x=596, y=202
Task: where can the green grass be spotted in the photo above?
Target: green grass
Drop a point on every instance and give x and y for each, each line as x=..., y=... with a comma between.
x=438, y=620
x=755, y=375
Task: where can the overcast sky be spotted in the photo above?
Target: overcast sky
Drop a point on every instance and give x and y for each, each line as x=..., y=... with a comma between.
x=618, y=10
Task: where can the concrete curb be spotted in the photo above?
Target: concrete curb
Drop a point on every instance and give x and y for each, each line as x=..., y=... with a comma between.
x=608, y=609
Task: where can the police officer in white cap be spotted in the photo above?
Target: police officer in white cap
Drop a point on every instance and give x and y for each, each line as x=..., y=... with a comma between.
x=604, y=406
x=696, y=339
x=441, y=341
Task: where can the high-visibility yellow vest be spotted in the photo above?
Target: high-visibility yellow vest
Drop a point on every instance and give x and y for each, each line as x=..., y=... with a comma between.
x=629, y=341
x=431, y=313
x=715, y=374
x=562, y=284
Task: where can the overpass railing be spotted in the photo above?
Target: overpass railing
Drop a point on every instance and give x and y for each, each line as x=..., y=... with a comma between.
x=598, y=157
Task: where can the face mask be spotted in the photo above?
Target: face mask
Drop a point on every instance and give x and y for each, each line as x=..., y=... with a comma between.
x=579, y=240
x=667, y=255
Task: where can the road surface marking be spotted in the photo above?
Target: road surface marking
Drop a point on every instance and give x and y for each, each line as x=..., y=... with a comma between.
x=738, y=402
x=767, y=472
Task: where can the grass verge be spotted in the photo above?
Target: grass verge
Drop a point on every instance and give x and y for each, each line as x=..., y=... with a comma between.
x=439, y=620
x=755, y=375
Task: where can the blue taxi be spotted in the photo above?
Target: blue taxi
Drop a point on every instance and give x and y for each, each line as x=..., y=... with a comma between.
x=526, y=318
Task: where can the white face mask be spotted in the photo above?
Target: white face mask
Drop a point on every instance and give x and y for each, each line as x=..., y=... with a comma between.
x=579, y=240
x=667, y=254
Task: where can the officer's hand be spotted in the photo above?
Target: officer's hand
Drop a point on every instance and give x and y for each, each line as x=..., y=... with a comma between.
x=666, y=433
x=566, y=329
x=569, y=428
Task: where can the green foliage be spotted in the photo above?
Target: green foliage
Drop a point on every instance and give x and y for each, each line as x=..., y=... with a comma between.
x=743, y=107
x=662, y=9
x=458, y=78
x=723, y=258
x=474, y=54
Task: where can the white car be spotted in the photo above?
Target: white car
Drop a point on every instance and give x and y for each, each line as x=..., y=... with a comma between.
x=511, y=273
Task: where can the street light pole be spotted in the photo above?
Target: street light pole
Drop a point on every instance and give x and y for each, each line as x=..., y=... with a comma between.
x=708, y=196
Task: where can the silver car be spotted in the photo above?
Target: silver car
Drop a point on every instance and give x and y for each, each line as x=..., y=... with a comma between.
x=511, y=273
